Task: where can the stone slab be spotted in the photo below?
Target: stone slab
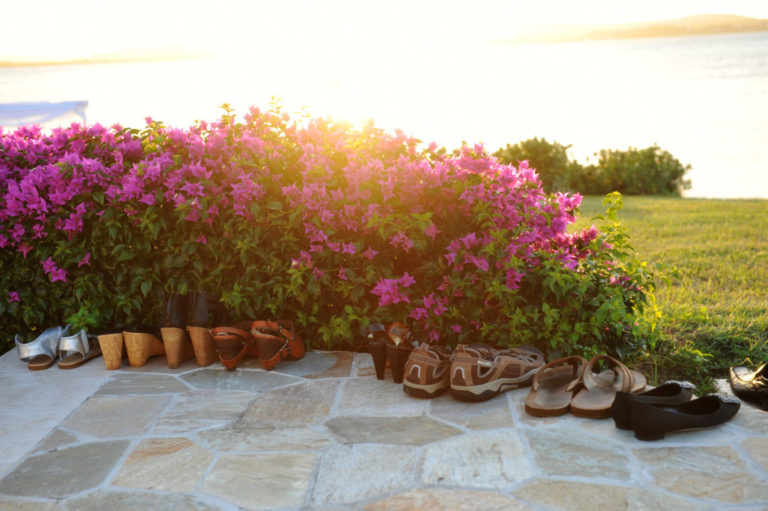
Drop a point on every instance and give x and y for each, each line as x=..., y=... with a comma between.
x=200, y=409
x=264, y=481
x=757, y=448
x=390, y=430
x=56, y=394
x=438, y=499
x=365, y=396
x=18, y=505
x=309, y=401
x=242, y=380
x=135, y=501
x=168, y=464
x=751, y=419
x=581, y=496
x=318, y=364
x=132, y=383
x=350, y=473
x=487, y=460
x=64, y=472
x=58, y=438
x=491, y=414
x=560, y=451
x=713, y=473
x=250, y=436
x=117, y=416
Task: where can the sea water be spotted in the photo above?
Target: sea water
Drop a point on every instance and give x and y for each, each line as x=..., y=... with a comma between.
x=704, y=99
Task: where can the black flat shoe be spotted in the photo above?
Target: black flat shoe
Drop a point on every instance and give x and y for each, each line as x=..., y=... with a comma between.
x=651, y=422
x=751, y=385
x=669, y=394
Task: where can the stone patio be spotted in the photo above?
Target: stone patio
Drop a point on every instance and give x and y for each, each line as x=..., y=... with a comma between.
x=323, y=433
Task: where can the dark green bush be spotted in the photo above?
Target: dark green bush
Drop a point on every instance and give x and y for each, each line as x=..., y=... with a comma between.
x=650, y=171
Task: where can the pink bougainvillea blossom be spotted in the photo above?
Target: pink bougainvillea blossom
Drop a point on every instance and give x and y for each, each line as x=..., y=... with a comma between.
x=370, y=253
x=86, y=260
x=13, y=296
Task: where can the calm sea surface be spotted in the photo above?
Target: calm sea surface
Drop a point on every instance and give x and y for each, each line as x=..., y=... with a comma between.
x=704, y=99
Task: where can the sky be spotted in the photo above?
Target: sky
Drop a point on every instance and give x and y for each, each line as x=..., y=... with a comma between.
x=45, y=30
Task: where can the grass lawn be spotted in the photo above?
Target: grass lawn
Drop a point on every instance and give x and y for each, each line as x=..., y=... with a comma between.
x=719, y=300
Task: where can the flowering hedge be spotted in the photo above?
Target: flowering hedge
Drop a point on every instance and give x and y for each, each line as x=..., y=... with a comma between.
x=308, y=220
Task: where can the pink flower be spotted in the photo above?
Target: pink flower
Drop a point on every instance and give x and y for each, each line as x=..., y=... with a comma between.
x=349, y=248
x=342, y=275
x=58, y=274
x=401, y=240
x=13, y=296
x=406, y=280
x=419, y=313
x=86, y=260
x=370, y=253
x=202, y=239
x=388, y=292
x=24, y=248
x=318, y=273
x=456, y=328
x=431, y=231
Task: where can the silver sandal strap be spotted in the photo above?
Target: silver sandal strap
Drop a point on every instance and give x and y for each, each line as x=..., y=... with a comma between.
x=45, y=344
x=77, y=343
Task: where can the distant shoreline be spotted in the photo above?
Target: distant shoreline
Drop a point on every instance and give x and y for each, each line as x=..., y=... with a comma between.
x=705, y=25
x=103, y=60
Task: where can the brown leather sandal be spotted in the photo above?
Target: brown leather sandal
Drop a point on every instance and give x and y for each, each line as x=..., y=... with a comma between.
x=276, y=340
x=233, y=343
x=553, y=387
x=595, y=400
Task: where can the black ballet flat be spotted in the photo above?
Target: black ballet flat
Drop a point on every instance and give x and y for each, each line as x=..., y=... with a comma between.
x=650, y=422
x=669, y=394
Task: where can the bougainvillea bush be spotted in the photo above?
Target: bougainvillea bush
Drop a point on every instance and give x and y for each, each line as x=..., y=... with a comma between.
x=309, y=220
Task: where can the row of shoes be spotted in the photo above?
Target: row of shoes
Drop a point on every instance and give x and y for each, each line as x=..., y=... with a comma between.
x=185, y=333
x=599, y=388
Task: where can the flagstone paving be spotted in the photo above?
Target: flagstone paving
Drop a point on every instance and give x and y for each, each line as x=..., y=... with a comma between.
x=322, y=433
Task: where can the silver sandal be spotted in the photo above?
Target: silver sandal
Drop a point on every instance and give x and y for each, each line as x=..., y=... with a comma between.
x=41, y=353
x=76, y=350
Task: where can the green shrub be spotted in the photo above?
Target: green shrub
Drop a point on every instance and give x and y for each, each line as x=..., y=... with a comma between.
x=650, y=171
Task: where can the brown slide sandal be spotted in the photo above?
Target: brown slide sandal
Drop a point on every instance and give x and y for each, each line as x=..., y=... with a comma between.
x=553, y=385
x=594, y=401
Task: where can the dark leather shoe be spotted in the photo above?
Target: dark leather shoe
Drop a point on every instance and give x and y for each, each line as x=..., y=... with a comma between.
x=669, y=394
x=175, y=311
x=650, y=422
x=205, y=310
x=751, y=385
